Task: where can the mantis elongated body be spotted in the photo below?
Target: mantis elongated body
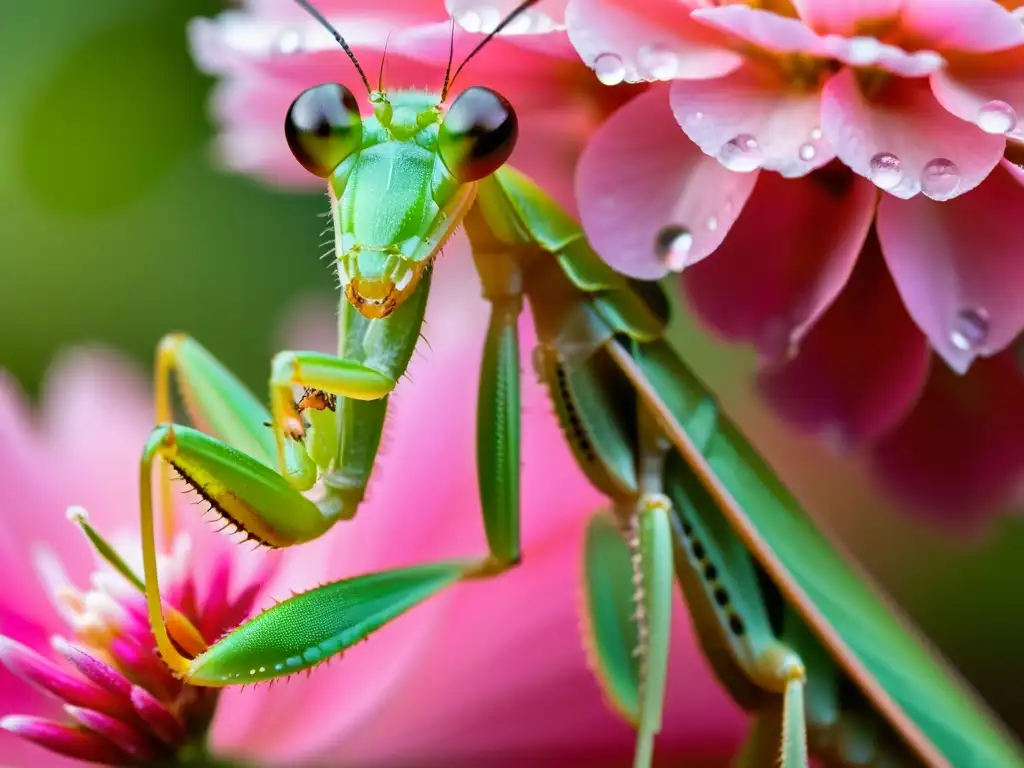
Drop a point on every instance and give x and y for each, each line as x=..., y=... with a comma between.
x=796, y=634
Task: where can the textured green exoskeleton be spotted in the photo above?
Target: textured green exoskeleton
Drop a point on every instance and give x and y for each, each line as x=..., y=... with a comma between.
x=795, y=633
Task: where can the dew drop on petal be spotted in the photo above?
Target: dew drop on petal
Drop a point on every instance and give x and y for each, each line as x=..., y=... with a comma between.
x=816, y=134
x=490, y=18
x=609, y=69
x=864, y=50
x=741, y=154
x=470, y=21
x=672, y=245
x=997, y=117
x=658, y=63
x=712, y=223
x=970, y=330
x=886, y=170
x=940, y=179
x=807, y=152
x=288, y=42
x=520, y=25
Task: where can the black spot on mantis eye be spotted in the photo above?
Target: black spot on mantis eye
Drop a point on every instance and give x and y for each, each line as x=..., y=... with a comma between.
x=478, y=134
x=323, y=127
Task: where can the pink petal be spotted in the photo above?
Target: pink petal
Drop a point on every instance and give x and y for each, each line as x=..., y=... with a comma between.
x=847, y=17
x=753, y=102
x=656, y=39
x=960, y=25
x=958, y=266
x=763, y=29
x=639, y=175
x=903, y=140
x=785, y=260
x=959, y=453
x=860, y=368
x=988, y=91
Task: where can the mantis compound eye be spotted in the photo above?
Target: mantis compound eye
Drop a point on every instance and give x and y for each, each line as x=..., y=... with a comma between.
x=323, y=127
x=477, y=134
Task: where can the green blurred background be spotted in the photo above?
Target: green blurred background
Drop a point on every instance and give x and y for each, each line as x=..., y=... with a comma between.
x=116, y=227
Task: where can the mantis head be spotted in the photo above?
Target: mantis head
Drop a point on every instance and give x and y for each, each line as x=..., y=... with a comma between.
x=400, y=179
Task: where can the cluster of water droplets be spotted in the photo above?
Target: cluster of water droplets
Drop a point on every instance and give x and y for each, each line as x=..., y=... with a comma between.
x=485, y=19
x=940, y=178
x=654, y=63
x=970, y=330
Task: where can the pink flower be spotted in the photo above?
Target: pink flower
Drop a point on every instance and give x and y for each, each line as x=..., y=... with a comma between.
x=768, y=149
x=272, y=50
x=490, y=671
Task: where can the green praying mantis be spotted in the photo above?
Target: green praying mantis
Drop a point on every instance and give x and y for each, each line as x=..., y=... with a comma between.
x=797, y=634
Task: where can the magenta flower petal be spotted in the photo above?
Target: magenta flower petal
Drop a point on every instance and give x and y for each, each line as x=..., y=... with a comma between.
x=162, y=721
x=47, y=676
x=987, y=91
x=126, y=737
x=861, y=366
x=640, y=175
x=753, y=103
x=65, y=740
x=655, y=39
x=959, y=452
x=958, y=266
x=978, y=26
x=846, y=17
x=95, y=670
x=785, y=260
x=903, y=140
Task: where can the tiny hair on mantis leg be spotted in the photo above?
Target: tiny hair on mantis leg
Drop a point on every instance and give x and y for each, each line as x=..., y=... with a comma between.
x=799, y=636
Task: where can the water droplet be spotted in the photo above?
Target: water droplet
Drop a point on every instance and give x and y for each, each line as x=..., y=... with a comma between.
x=672, y=245
x=940, y=179
x=970, y=330
x=543, y=23
x=997, y=117
x=886, y=170
x=864, y=50
x=927, y=61
x=609, y=69
x=816, y=134
x=520, y=25
x=490, y=18
x=808, y=152
x=288, y=42
x=741, y=154
x=470, y=21
x=712, y=223
x=659, y=63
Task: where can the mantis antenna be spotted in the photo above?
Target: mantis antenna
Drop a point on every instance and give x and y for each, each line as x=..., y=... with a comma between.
x=305, y=5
